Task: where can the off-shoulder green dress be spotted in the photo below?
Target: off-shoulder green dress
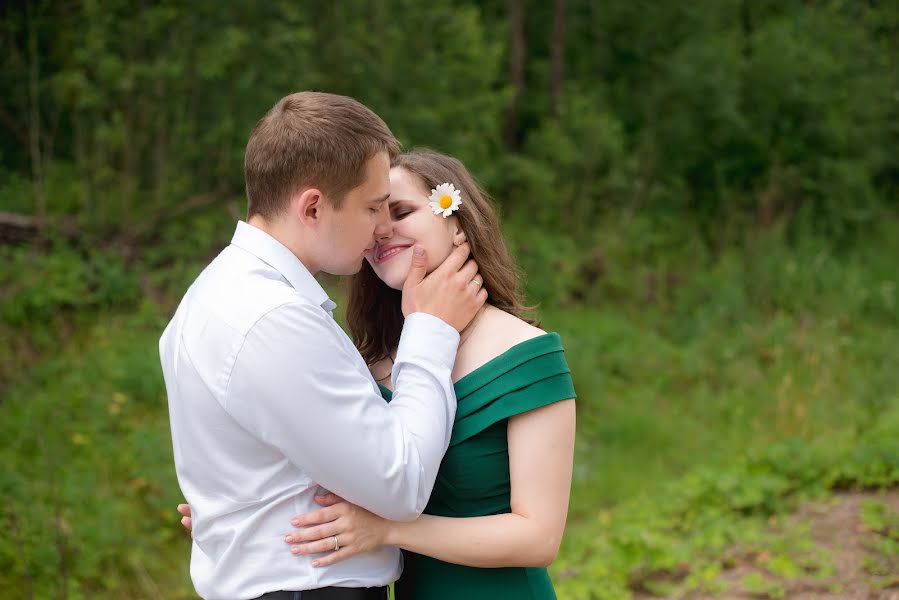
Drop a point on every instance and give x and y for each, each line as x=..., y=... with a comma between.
x=473, y=480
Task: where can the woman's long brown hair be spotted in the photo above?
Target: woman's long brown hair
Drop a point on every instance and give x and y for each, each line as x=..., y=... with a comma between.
x=374, y=312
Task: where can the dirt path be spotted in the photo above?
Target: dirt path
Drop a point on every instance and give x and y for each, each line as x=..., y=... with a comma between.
x=836, y=527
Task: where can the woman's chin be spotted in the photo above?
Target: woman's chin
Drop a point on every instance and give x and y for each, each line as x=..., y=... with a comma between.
x=392, y=280
x=394, y=272
x=395, y=283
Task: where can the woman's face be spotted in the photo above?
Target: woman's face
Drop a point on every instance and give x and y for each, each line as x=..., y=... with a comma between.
x=413, y=223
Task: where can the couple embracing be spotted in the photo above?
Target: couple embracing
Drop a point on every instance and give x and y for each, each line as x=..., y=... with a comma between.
x=435, y=451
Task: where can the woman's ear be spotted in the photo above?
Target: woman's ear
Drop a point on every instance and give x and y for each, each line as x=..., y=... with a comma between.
x=458, y=235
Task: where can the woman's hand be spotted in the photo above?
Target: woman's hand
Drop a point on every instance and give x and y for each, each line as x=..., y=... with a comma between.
x=184, y=509
x=341, y=529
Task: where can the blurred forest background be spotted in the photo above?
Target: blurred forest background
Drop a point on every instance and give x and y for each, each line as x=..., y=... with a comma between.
x=703, y=195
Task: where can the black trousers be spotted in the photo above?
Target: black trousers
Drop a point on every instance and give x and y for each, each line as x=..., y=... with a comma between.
x=329, y=593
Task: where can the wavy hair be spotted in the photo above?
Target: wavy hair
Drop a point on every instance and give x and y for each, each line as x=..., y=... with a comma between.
x=374, y=312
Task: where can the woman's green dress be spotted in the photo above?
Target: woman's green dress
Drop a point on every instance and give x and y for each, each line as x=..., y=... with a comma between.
x=473, y=480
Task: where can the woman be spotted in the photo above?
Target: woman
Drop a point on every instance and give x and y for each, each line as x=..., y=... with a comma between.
x=498, y=509
x=497, y=512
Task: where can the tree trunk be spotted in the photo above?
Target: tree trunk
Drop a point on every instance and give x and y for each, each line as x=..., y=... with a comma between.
x=746, y=27
x=557, y=58
x=34, y=118
x=595, y=17
x=517, y=49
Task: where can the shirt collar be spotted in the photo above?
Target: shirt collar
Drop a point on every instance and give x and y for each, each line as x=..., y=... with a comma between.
x=277, y=255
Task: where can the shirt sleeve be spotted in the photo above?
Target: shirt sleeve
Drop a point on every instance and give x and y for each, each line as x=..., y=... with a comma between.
x=298, y=385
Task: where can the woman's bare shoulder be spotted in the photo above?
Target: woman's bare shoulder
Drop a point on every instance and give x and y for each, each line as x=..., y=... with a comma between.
x=511, y=329
x=496, y=332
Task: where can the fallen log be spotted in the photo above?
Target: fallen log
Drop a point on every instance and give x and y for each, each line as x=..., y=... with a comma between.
x=17, y=229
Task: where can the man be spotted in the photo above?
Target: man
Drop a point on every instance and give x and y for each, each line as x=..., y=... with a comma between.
x=268, y=398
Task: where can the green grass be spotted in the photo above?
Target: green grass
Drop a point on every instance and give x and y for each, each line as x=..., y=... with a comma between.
x=764, y=376
x=882, y=563
x=761, y=379
x=651, y=407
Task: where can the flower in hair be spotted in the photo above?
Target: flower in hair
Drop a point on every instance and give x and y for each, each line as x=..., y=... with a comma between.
x=445, y=198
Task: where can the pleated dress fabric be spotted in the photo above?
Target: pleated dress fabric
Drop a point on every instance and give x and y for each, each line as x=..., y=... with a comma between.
x=473, y=479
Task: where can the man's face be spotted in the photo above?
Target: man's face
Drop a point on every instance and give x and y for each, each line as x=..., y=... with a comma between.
x=346, y=233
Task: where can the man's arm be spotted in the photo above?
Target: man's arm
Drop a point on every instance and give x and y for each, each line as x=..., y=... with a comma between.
x=297, y=386
x=541, y=450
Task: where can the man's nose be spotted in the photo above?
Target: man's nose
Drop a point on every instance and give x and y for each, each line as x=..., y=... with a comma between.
x=384, y=229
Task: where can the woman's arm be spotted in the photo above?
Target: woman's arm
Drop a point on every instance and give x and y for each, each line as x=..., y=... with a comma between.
x=541, y=449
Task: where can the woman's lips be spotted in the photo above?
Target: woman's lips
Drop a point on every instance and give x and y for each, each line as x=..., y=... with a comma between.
x=387, y=252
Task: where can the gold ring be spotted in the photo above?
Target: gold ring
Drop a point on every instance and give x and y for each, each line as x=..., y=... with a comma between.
x=336, y=544
x=476, y=282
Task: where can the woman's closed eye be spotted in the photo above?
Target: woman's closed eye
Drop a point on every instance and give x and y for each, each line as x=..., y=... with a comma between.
x=400, y=210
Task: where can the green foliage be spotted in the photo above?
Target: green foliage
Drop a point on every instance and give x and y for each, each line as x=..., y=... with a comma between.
x=46, y=294
x=679, y=538
x=757, y=584
x=883, y=561
x=744, y=108
x=41, y=285
x=88, y=485
x=714, y=110
x=762, y=376
x=702, y=197
x=702, y=419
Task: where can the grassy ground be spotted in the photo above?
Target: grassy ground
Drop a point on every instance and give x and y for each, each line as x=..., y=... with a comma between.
x=688, y=448
x=757, y=381
x=752, y=383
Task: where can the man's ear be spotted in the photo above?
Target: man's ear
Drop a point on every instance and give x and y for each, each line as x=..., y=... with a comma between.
x=307, y=206
x=458, y=235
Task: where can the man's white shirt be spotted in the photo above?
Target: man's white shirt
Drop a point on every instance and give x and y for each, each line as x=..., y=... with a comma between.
x=269, y=399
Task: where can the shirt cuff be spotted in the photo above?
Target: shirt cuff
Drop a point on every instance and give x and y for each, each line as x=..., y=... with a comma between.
x=427, y=337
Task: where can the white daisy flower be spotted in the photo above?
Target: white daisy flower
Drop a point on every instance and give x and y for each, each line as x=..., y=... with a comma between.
x=445, y=198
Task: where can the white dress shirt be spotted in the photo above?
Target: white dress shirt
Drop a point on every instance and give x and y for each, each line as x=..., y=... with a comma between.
x=269, y=399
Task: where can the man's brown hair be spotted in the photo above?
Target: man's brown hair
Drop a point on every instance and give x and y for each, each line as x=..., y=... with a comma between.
x=374, y=313
x=311, y=139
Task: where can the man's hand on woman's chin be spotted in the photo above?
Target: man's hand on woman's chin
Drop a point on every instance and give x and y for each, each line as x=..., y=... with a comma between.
x=453, y=292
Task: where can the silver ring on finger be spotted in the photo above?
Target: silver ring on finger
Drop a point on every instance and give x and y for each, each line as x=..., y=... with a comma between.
x=336, y=544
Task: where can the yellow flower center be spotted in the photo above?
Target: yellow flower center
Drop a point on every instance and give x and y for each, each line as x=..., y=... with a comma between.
x=446, y=201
